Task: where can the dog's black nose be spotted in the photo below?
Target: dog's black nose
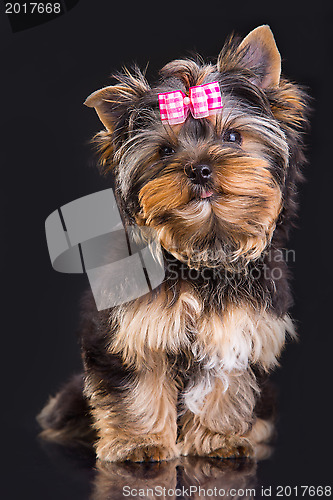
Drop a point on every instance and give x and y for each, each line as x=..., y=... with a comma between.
x=199, y=174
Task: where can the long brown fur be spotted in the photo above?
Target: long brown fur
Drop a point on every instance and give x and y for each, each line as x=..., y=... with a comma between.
x=178, y=371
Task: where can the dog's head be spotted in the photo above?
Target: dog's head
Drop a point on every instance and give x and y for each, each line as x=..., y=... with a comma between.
x=213, y=188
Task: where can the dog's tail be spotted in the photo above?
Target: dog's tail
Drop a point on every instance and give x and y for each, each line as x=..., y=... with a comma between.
x=66, y=418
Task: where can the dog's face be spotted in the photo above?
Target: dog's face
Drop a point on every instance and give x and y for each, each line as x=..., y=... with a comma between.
x=212, y=188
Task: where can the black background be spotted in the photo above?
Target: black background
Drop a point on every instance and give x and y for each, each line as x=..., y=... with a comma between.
x=46, y=74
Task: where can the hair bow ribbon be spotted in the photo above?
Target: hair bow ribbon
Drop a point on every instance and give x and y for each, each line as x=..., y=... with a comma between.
x=203, y=101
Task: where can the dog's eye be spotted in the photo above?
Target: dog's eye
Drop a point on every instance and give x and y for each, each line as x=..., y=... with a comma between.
x=232, y=136
x=166, y=151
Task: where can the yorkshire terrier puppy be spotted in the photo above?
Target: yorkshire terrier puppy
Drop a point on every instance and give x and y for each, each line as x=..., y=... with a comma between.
x=209, y=158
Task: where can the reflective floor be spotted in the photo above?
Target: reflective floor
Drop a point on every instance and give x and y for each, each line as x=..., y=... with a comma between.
x=42, y=470
x=186, y=477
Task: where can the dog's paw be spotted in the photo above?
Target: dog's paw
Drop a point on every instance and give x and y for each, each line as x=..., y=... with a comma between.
x=233, y=448
x=139, y=453
x=151, y=453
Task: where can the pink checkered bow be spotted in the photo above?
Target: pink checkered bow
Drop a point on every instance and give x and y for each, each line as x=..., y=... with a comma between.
x=203, y=101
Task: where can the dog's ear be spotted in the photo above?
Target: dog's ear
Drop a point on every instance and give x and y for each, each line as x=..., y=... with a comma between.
x=258, y=54
x=106, y=101
x=114, y=102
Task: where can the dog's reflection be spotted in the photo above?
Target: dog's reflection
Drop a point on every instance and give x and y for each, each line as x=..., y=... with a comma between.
x=187, y=477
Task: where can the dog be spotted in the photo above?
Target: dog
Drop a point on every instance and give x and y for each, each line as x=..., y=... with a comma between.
x=180, y=370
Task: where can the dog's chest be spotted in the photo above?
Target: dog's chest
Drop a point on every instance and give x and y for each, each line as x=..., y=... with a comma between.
x=229, y=340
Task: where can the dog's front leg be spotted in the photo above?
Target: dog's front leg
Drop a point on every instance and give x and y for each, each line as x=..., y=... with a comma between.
x=138, y=422
x=218, y=425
